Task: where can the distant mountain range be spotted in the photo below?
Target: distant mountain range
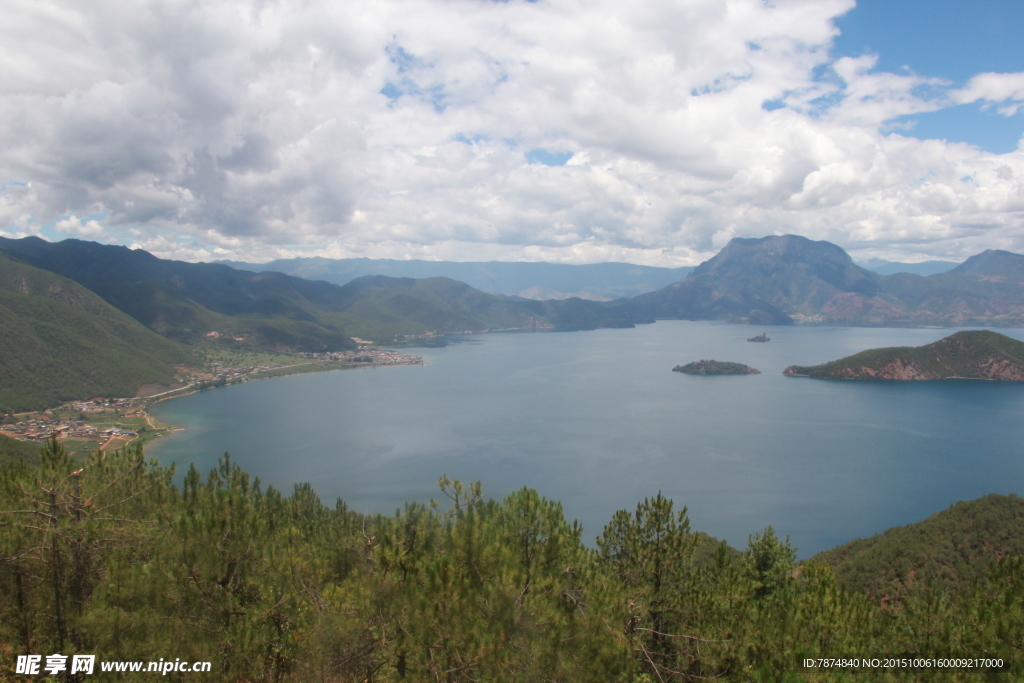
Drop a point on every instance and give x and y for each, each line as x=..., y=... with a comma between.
x=784, y=279
x=779, y=279
x=539, y=281
x=883, y=267
x=196, y=302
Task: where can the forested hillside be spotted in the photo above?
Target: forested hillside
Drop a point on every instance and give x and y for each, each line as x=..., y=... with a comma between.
x=59, y=341
x=106, y=557
x=12, y=450
x=953, y=547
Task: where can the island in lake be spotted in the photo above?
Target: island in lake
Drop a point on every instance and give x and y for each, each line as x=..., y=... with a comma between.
x=979, y=354
x=715, y=367
x=760, y=338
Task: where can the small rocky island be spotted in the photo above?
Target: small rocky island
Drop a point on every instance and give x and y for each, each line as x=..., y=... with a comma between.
x=715, y=367
x=979, y=354
x=760, y=338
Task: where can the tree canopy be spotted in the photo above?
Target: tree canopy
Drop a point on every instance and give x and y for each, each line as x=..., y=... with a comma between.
x=107, y=556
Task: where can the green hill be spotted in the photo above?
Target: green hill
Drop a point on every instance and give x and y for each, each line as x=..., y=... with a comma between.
x=60, y=341
x=979, y=354
x=951, y=547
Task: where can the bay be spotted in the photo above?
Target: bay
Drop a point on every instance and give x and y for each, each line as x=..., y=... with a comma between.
x=598, y=421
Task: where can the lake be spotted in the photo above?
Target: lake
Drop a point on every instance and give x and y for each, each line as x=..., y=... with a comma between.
x=598, y=421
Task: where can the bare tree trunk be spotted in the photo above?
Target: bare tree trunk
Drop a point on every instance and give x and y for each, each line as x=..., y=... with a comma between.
x=56, y=571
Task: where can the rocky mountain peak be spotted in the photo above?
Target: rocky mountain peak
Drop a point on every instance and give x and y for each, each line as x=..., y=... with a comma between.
x=774, y=251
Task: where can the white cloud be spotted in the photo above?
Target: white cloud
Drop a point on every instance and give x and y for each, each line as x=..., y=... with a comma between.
x=77, y=227
x=991, y=88
x=400, y=128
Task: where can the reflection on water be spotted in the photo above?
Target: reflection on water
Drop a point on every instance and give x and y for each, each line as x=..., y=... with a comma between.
x=599, y=421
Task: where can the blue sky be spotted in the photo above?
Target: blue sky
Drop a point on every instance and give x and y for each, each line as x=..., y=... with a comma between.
x=573, y=131
x=950, y=40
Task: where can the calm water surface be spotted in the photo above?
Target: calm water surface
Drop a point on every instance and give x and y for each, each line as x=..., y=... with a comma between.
x=598, y=421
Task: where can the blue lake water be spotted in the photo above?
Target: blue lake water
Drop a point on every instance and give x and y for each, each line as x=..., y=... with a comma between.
x=598, y=421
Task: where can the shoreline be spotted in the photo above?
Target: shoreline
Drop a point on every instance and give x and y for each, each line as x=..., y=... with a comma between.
x=138, y=407
x=191, y=389
x=289, y=370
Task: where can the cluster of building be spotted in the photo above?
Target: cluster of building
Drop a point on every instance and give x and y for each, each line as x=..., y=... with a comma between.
x=29, y=430
x=369, y=356
x=229, y=373
x=40, y=430
x=98, y=405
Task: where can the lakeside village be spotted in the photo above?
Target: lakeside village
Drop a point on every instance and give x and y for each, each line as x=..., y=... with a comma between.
x=112, y=423
x=366, y=356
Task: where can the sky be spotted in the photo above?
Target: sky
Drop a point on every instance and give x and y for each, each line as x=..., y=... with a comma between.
x=649, y=132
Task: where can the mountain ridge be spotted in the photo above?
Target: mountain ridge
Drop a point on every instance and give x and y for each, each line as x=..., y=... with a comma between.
x=785, y=279
x=779, y=279
x=531, y=280
x=192, y=302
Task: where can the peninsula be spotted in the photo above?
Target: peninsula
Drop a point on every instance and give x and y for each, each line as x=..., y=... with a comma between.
x=979, y=354
x=715, y=367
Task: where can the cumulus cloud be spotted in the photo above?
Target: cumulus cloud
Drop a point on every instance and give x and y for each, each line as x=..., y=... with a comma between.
x=1006, y=90
x=77, y=227
x=411, y=128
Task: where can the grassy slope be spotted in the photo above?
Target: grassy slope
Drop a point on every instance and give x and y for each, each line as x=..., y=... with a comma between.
x=59, y=341
x=953, y=547
x=954, y=356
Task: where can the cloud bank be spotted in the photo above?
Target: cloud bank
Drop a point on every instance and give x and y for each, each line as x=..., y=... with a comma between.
x=558, y=130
